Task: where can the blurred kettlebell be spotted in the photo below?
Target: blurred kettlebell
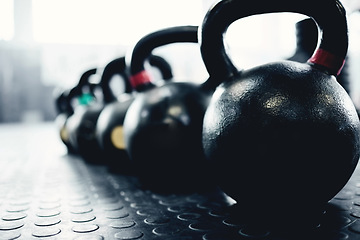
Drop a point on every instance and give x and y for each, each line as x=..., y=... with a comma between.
x=64, y=111
x=80, y=124
x=69, y=102
x=163, y=125
x=109, y=127
x=282, y=134
x=306, y=42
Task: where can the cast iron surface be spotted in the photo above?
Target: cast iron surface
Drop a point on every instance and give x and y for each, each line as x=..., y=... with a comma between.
x=46, y=194
x=111, y=119
x=281, y=122
x=164, y=123
x=66, y=110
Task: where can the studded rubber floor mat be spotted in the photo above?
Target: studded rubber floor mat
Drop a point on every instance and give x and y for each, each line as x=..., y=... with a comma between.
x=46, y=194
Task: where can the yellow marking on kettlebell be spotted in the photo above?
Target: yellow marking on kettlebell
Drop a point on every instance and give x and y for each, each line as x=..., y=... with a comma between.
x=64, y=134
x=117, y=137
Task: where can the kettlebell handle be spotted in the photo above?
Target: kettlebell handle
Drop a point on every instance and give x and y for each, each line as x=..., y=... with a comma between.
x=329, y=15
x=162, y=65
x=62, y=104
x=116, y=66
x=143, y=48
x=84, y=79
x=78, y=89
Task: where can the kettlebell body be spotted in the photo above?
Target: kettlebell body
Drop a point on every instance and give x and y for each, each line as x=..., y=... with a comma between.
x=163, y=141
x=275, y=133
x=72, y=102
x=163, y=125
x=64, y=110
x=282, y=134
x=109, y=132
x=109, y=127
x=60, y=122
x=83, y=123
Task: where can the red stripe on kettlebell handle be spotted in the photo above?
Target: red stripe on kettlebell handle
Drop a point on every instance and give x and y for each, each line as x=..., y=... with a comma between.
x=328, y=60
x=140, y=78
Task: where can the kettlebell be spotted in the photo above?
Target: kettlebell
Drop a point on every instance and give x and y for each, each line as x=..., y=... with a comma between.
x=80, y=124
x=64, y=110
x=306, y=41
x=109, y=127
x=282, y=134
x=73, y=98
x=163, y=125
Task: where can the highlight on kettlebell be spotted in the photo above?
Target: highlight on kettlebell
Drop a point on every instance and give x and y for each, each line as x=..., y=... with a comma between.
x=282, y=122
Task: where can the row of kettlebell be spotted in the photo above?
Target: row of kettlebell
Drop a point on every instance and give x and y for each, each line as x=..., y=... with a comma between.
x=80, y=108
x=163, y=122
x=252, y=131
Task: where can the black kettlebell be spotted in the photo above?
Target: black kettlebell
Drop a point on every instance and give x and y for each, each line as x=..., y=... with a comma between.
x=163, y=125
x=64, y=111
x=306, y=42
x=81, y=123
x=85, y=120
x=76, y=97
x=283, y=134
x=109, y=127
